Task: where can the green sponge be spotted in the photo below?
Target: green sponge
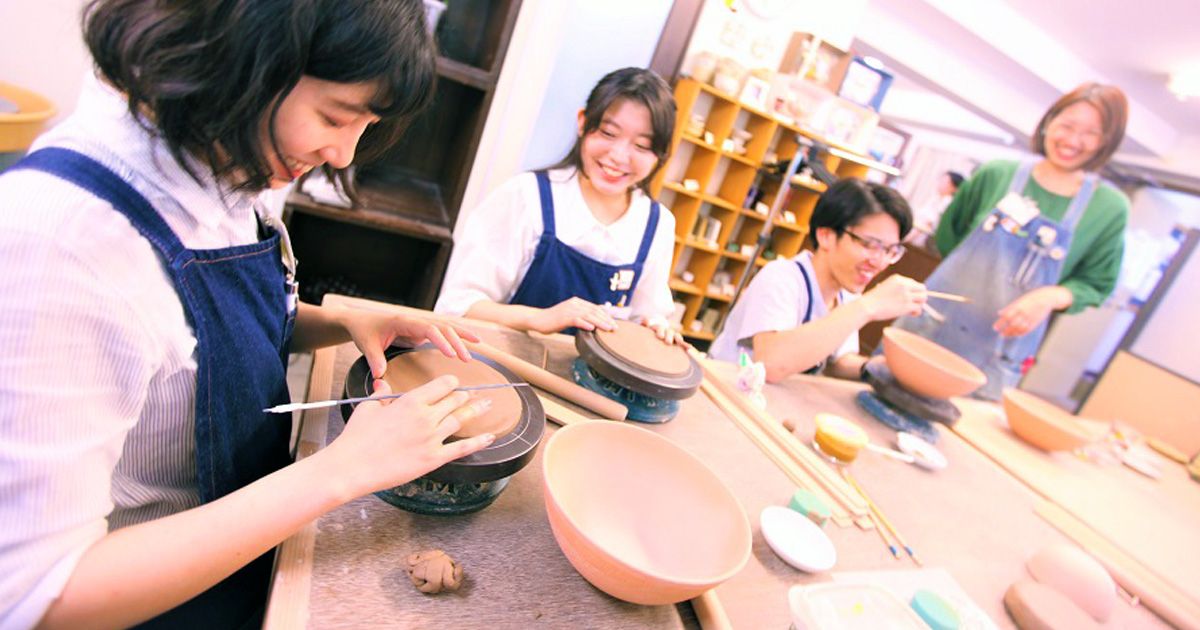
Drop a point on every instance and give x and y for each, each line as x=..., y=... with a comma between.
x=935, y=611
x=810, y=505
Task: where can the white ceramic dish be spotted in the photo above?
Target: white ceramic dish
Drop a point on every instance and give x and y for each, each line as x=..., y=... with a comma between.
x=924, y=454
x=797, y=540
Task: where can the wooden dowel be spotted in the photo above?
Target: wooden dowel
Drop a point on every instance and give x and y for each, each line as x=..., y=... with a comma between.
x=840, y=515
x=882, y=518
x=561, y=414
x=552, y=383
x=710, y=613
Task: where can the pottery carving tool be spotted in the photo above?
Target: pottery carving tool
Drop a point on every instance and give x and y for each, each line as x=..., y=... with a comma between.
x=947, y=296
x=933, y=312
x=290, y=407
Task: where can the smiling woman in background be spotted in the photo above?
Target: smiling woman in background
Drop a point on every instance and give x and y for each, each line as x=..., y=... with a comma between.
x=147, y=307
x=1024, y=240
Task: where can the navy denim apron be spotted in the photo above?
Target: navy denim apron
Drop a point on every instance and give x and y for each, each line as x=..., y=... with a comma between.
x=240, y=304
x=559, y=272
x=996, y=264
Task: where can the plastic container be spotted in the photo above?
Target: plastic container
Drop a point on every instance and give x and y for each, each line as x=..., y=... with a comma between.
x=850, y=607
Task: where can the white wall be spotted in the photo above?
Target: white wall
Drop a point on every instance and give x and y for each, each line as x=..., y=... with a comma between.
x=41, y=49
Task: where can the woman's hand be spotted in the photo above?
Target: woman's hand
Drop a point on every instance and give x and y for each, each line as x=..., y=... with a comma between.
x=1026, y=313
x=391, y=442
x=574, y=311
x=373, y=333
x=664, y=331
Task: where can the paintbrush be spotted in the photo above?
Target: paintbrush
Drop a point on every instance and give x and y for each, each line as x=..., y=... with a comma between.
x=350, y=401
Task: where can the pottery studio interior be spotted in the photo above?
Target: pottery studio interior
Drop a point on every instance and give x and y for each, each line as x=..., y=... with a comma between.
x=599, y=314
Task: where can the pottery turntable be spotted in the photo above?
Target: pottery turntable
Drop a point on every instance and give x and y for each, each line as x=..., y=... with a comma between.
x=632, y=366
x=911, y=390
x=473, y=482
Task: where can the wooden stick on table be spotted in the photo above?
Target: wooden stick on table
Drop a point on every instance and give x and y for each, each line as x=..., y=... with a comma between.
x=709, y=611
x=797, y=475
x=884, y=519
x=947, y=296
x=552, y=382
x=561, y=414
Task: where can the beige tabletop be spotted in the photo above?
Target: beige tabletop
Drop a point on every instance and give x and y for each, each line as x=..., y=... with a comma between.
x=345, y=570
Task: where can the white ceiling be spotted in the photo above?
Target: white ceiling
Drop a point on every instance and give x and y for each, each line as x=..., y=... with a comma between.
x=1135, y=44
x=1004, y=61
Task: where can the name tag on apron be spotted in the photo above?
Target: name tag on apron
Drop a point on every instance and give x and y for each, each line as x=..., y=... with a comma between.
x=1018, y=208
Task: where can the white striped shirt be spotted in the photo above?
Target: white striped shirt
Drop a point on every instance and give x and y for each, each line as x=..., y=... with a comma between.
x=97, y=367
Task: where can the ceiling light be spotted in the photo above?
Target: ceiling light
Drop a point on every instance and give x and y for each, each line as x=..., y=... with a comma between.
x=1185, y=82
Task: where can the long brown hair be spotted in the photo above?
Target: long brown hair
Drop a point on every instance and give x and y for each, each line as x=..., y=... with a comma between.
x=1109, y=100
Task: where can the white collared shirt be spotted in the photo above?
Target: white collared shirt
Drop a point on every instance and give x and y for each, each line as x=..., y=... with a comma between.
x=98, y=372
x=498, y=242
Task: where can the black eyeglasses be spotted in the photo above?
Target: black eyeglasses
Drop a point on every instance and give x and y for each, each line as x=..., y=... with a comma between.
x=875, y=247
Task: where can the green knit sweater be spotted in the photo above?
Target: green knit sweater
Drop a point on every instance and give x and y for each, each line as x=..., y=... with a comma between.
x=1093, y=262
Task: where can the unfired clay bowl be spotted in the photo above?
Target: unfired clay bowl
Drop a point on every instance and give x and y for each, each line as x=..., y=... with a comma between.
x=1072, y=572
x=927, y=369
x=1042, y=423
x=638, y=517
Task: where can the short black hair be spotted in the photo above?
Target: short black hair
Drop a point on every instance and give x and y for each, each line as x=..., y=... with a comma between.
x=849, y=200
x=203, y=76
x=956, y=178
x=640, y=86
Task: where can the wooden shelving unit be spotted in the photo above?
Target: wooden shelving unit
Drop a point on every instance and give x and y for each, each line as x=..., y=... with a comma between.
x=725, y=180
x=396, y=245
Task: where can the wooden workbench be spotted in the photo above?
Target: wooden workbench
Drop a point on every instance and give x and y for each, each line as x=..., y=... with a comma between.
x=346, y=569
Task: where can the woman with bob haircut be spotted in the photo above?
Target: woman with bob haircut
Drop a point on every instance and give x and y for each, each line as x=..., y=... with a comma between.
x=148, y=305
x=580, y=243
x=1025, y=240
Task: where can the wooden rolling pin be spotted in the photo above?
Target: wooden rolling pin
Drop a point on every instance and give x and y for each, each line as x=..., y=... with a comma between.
x=552, y=383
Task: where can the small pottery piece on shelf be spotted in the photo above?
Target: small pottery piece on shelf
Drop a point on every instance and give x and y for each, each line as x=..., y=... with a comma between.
x=639, y=517
x=1072, y=572
x=1044, y=424
x=927, y=369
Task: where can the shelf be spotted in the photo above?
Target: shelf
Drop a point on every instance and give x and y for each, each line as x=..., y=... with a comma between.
x=753, y=214
x=792, y=227
x=762, y=261
x=736, y=255
x=719, y=297
x=465, y=74
x=709, y=199
x=864, y=160
x=697, y=244
x=816, y=187
x=702, y=335
x=677, y=284
x=413, y=208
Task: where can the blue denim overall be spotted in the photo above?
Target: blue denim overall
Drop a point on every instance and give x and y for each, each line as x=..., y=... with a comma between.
x=240, y=304
x=996, y=264
x=559, y=272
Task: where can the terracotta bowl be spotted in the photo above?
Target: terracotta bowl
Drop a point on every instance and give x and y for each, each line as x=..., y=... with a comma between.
x=638, y=517
x=1044, y=424
x=927, y=369
x=18, y=130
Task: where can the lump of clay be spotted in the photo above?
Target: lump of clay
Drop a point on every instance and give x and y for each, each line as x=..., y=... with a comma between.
x=433, y=571
x=1072, y=572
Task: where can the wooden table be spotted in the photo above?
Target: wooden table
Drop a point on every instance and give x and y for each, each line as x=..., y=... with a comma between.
x=345, y=569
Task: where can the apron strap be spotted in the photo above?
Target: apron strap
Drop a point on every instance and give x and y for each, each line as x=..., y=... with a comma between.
x=1021, y=178
x=1080, y=202
x=543, y=180
x=99, y=180
x=648, y=235
x=808, y=289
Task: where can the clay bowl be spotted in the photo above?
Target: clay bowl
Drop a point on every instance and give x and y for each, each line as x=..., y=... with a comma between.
x=638, y=517
x=1044, y=424
x=927, y=369
x=19, y=129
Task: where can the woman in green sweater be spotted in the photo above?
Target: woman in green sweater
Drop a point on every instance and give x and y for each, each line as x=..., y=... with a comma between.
x=1024, y=240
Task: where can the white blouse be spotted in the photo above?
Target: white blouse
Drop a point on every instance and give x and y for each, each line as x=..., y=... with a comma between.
x=97, y=372
x=496, y=245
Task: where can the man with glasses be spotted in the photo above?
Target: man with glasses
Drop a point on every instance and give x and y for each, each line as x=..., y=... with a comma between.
x=803, y=314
